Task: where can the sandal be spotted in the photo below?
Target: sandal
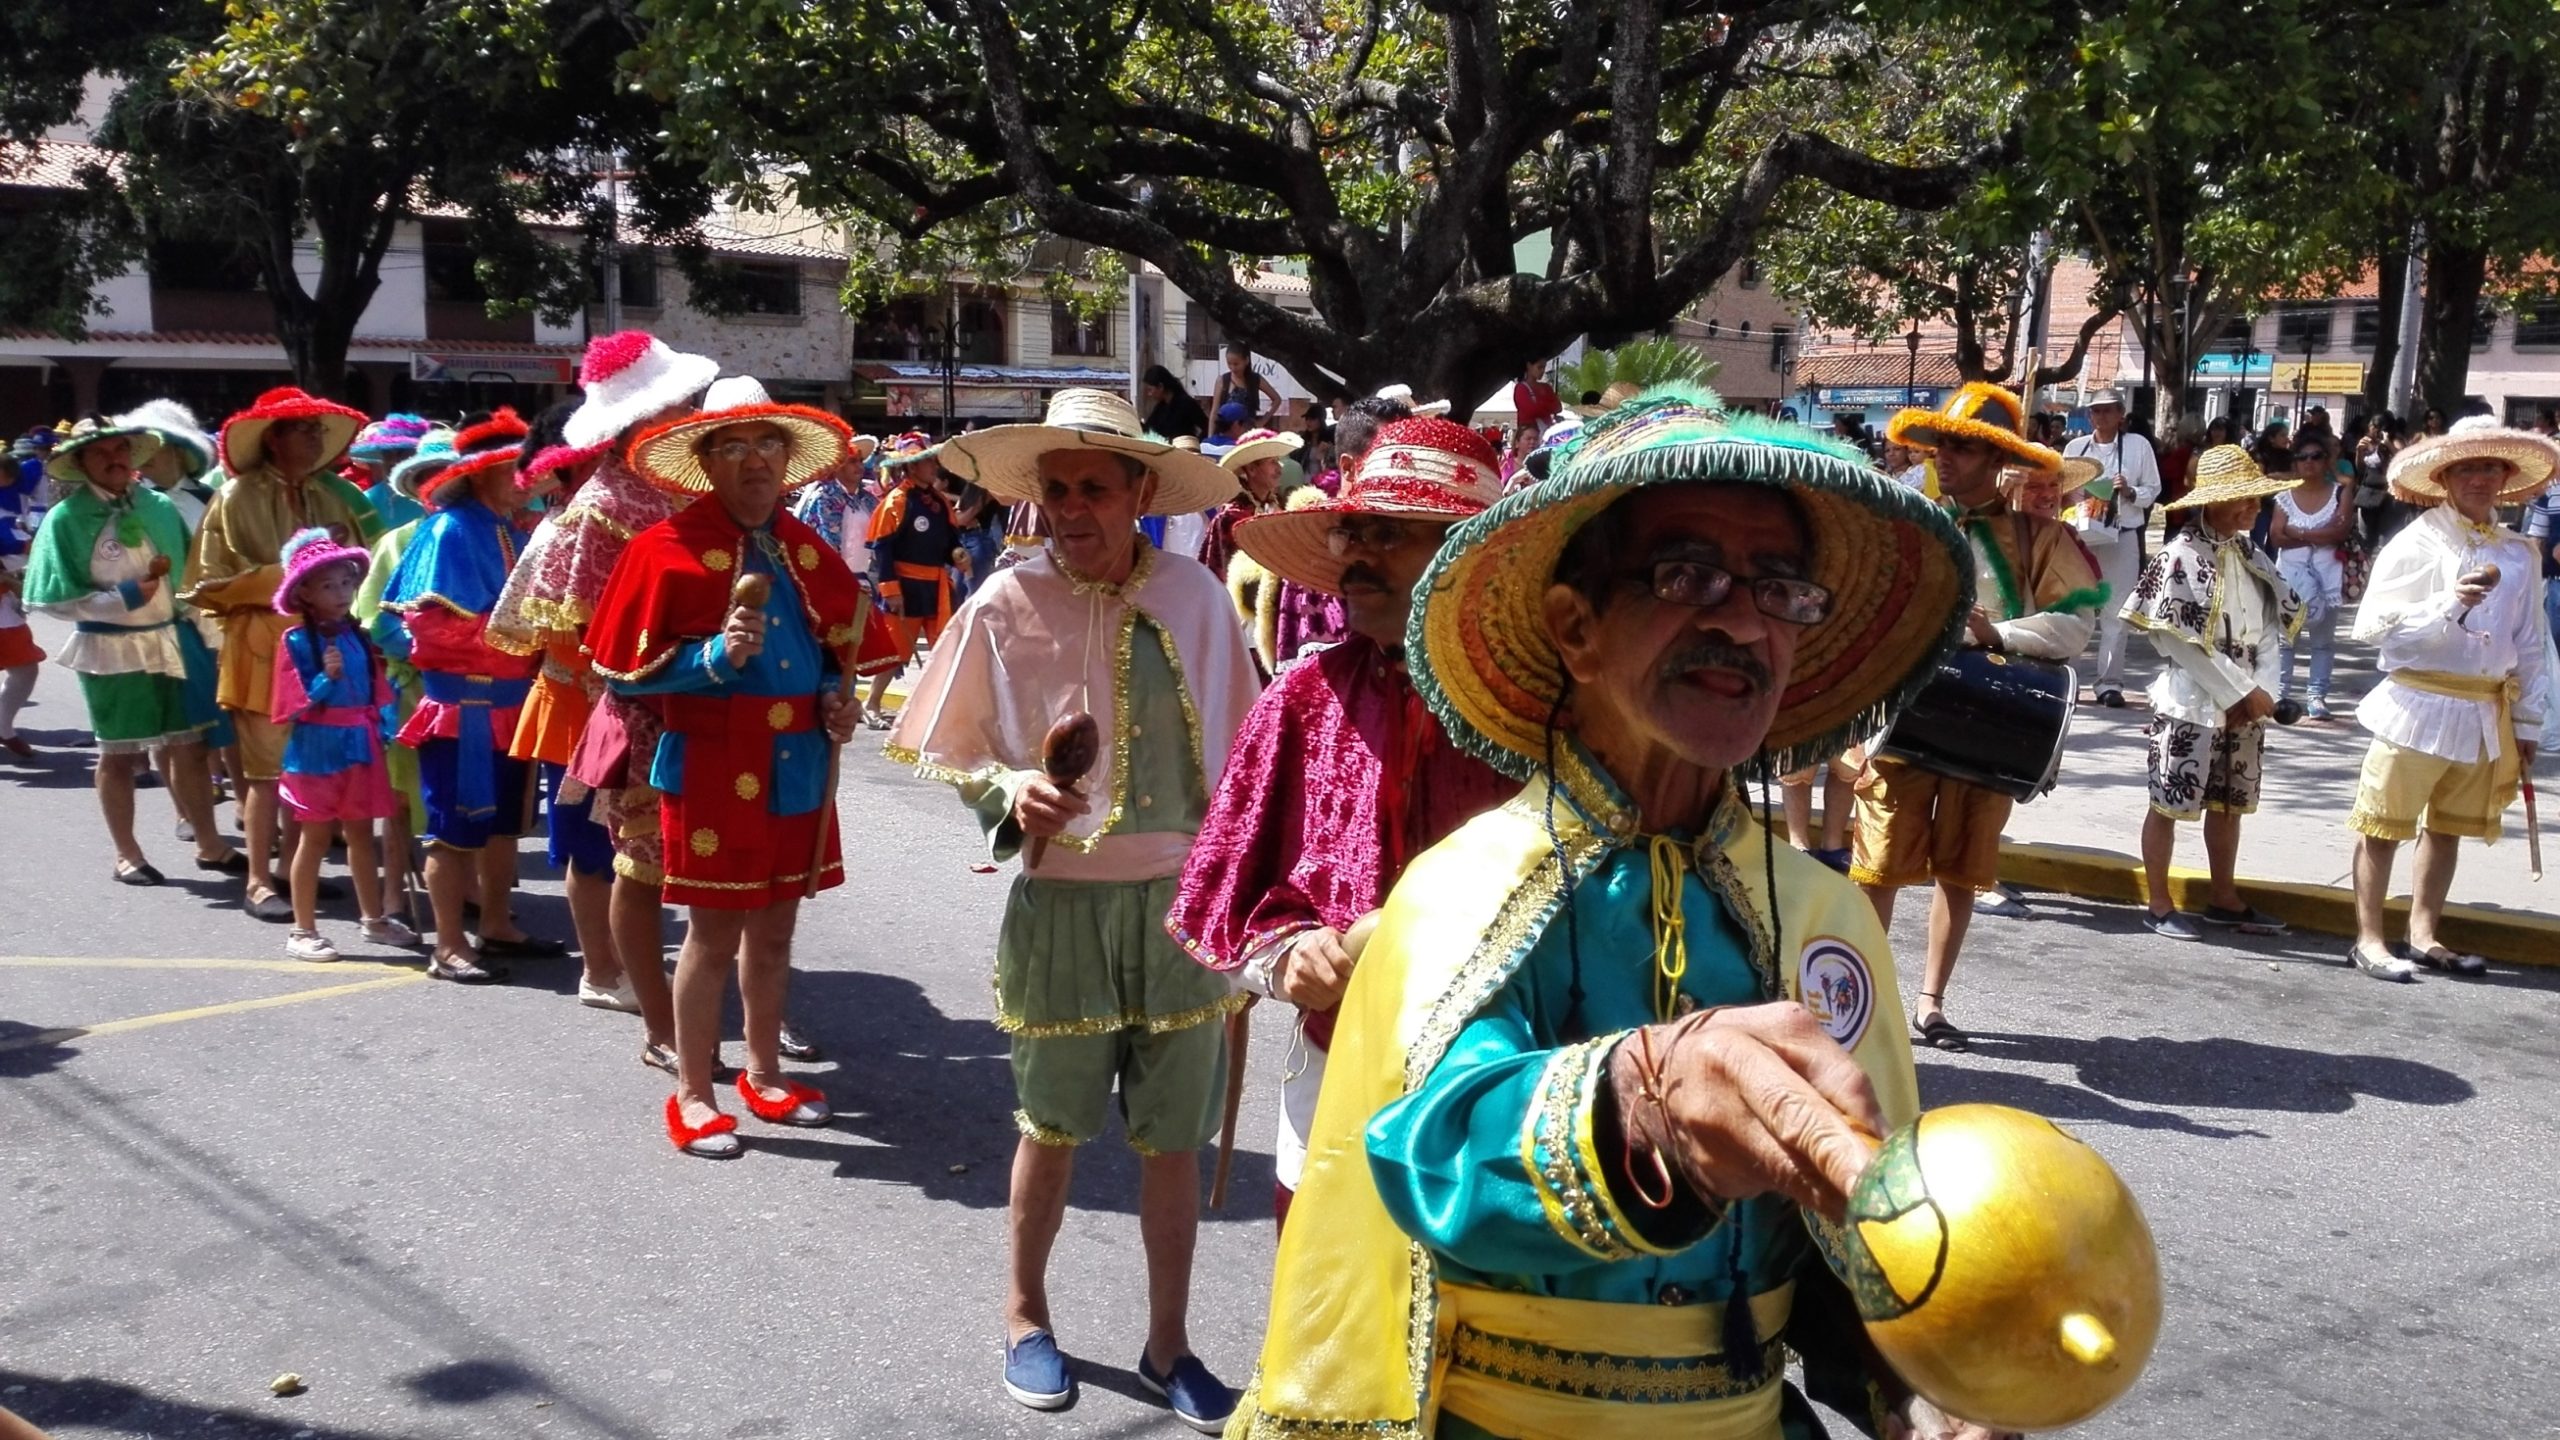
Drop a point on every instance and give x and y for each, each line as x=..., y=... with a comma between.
x=462, y=970
x=715, y=1140
x=128, y=873
x=235, y=862
x=1938, y=1031
x=2436, y=957
x=2248, y=920
x=802, y=1105
x=659, y=1057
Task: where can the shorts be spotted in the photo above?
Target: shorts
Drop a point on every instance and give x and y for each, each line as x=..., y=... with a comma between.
x=1915, y=827
x=1096, y=996
x=2403, y=791
x=138, y=711
x=2194, y=769
x=578, y=842
x=630, y=814
x=359, y=792
x=261, y=745
x=448, y=823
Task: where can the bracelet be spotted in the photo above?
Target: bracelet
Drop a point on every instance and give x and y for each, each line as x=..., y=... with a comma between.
x=1649, y=1084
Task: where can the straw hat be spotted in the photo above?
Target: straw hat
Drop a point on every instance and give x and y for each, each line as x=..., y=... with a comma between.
x=907, y=449
x=629, y=376
x=2415, y=470
x=1618, y=393
x=496, y=441
x=1979, y=412
x=434, y=452
x=1260, y=445
x=1900, y=577
x=177, y=428
x=307, y=553
x=1005, y=460
x=666, y=456
x=2226, y=472
x=63, y=463
x=1421, y=469
x=244, y=436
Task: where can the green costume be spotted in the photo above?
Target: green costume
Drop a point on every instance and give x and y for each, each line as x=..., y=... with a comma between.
x=91, y=565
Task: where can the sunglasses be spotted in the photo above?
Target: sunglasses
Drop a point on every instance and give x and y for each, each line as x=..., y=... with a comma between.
x=1702, y=586
x=2316, y=456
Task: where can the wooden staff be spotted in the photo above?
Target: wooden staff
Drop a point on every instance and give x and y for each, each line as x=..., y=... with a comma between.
x=1067, y=755
x=2532, y=832
x=1239, y=1042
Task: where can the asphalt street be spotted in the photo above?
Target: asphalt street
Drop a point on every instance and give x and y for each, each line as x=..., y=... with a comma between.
x=454, y=1213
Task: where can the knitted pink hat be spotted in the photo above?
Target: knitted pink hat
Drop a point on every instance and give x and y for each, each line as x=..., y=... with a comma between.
x=308, y=553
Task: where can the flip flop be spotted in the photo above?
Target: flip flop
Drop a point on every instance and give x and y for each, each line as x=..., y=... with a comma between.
x=2470, y=967
x=1941, y=1033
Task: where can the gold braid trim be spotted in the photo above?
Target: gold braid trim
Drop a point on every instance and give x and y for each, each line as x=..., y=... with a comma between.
x=1217, y=1009
x=1598, y=1375
x=1039, y=1134
x=1549, y=1152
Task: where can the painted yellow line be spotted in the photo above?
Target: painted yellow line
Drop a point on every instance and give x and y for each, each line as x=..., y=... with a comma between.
x=202, y=1012
x=100, y=962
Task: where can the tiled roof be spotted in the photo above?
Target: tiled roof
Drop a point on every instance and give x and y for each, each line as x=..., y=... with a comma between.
x=1878, y=366
x=52, y=164
x=261, y=340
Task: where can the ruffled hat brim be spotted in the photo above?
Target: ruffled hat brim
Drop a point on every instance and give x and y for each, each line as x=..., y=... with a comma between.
x=666, y=458
x=63, y=461
x=244, y=436
x=1900, y=576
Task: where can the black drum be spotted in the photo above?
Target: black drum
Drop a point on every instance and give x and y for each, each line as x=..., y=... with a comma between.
x=1990, y=719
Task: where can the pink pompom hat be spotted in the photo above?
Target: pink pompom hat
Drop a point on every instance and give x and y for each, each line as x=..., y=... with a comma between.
x=308, y=553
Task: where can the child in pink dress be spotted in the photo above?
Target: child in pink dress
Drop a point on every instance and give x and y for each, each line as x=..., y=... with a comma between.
x=331, y=687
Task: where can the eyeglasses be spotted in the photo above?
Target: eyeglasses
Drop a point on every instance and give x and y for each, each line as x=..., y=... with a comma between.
x=771, y=447
x=1369, y=532
x=1702, y=586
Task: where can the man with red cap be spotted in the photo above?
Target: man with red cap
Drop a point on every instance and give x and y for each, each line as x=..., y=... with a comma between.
x=279, y=453
x=1340, y=775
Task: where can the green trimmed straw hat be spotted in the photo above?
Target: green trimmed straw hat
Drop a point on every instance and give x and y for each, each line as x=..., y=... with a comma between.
x=1900, y=576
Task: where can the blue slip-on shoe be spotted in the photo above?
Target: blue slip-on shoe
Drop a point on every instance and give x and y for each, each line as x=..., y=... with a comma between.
x=1198, y=1400
x=1035, y=1372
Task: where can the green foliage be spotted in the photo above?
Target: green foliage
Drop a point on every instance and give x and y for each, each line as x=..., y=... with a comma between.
x=1658, y=360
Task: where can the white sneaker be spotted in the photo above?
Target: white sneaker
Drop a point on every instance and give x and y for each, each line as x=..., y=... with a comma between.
x=388, y=931
x=621, y=997
x=309, y=945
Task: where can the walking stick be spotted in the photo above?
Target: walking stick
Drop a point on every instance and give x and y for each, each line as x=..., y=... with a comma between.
x=2532, y=832
x=1239, y=1043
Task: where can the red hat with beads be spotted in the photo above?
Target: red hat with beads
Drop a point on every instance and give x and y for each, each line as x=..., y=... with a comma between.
x=1427, y=469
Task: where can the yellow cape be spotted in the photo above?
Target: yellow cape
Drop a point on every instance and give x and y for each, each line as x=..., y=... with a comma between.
x=1355, y=1342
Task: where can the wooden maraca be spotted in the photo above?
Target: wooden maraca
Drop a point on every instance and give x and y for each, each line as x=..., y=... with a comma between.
x=1067, y=754
x=751, y=592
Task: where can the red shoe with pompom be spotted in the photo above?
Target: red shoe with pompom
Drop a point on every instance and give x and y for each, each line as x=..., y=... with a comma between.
x=717, y=1140
x=803, y=1105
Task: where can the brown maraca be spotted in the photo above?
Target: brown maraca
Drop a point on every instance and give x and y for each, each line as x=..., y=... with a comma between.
x=751, y=592
x=1067, y=754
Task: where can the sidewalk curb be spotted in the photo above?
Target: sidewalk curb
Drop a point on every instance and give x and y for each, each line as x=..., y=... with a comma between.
x=2514, y=937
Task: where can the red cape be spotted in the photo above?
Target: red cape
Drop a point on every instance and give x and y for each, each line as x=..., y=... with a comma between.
x=671, y=589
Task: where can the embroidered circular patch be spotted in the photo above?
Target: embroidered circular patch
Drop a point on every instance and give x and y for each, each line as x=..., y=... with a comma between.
x=1837, y=987
x=923, y=523
x=715, y=561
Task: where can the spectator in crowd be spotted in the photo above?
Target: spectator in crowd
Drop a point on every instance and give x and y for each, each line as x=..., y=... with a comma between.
x=2110, y=522
x=1534, y=402
x=1241, y=384
x=1172, y=411
x=2312, y=521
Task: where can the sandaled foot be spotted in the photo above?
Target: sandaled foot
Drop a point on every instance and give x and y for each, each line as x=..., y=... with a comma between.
x=230, y=862
x=2381, y=967
x=1936, y=1030
x=129, y=872
x=797, y=1104
x=2451, y=962
x=463, y=969
x=264, y=903
x=659, y=1057
x=714, y=1139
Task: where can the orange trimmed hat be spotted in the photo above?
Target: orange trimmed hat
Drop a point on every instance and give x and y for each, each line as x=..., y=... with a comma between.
x=1978, y=411
x=1421, y=469
x=1899, y=573
x=666, y=456
x=496, y=441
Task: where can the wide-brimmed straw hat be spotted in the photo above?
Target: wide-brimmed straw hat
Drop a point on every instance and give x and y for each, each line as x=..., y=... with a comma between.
x=434, y=452
x=2416, y=473
x=1618, y=393
x=1419, y=469
x=1899, y=573
x=178, y=429
x=310, y=551
x=244, y=436
x=1005, y=460
x=63, y=462
x=667, y=456
x=496, y=441
x=1978, y=411
x=2226, y=472
x=629, y=376
x=1255, y=445
x=2078, y=473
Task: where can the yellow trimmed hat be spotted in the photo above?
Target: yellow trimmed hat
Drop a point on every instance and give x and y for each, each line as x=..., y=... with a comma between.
x=1978, y=411
x=2415, y=471
x=1899, y=573
x=2226, y=472
x=1426, y=469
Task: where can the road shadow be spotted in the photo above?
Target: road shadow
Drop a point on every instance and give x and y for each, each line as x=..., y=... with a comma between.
x=46, y=1402
x=1942, y=1083
x=2220, y=1072
x=19, y=1060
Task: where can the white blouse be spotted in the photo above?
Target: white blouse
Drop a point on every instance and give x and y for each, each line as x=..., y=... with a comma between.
x=2409, y=610
x=2314, y=571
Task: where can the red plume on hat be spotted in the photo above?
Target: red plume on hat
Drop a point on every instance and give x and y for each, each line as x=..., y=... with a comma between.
x=244, y=436
x=498, y=440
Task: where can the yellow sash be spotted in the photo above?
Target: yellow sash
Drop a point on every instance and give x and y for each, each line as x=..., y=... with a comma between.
x=2506, y=770
x=1358, y=1324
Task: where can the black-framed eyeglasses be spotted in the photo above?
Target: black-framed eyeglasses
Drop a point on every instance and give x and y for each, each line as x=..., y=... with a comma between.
x=1369, y=532
x=1701, y=586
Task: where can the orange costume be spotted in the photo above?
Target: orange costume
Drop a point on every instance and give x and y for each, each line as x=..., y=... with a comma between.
x=913, y=538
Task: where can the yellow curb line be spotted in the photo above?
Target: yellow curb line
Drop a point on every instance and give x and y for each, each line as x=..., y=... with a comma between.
x=202, y=1012
x=100, y=962
x=2514, y=937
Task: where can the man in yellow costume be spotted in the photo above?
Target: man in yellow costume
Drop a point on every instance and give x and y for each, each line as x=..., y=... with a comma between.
x=1588, y=1077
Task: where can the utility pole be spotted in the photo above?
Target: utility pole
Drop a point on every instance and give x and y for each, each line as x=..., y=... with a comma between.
x=613, y=242
x=2404, y=366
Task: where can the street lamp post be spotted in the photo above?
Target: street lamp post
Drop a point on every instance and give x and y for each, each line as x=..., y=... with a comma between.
x=1911, y=376
x=951, y=338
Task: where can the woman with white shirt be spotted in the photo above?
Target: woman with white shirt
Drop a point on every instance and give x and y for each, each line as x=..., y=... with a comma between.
x=2312, y=520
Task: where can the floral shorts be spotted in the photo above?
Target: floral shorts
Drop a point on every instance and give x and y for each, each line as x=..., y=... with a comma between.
x=2194, y=769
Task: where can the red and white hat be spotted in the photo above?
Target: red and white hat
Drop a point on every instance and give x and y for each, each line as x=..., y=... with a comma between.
x=1255, y=445
x=496, y=441
x=244, y=436
x=1426, y=468
x=630, y=376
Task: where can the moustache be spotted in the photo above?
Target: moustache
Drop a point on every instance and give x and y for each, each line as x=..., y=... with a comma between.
x=1713, y=654
x=1361, y=572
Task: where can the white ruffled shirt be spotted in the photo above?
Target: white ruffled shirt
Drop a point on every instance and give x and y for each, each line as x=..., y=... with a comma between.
x=151, y=645
x=2410, y=611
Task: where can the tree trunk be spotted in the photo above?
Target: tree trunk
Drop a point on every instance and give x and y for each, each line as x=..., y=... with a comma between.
x=2390, y=290
x=2455, y=271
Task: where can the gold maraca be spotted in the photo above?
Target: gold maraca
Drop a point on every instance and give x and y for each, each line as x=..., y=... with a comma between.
x=2001, y=1267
